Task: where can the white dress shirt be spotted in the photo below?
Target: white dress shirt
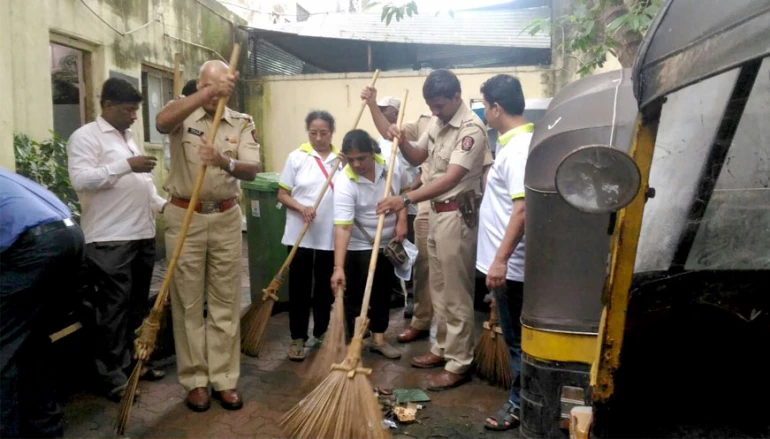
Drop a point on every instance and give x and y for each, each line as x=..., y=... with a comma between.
x=117, y=204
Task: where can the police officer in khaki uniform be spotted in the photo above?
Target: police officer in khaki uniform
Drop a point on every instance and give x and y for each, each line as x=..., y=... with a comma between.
x=208, y=351
x=423, y=306
x=422, y=316
x=455, y=149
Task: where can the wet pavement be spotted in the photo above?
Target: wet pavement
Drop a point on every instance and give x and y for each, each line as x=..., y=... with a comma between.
x=271, y=385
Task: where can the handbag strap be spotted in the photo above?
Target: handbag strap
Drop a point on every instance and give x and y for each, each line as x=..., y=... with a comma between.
x=323, y=169
x=365, y=233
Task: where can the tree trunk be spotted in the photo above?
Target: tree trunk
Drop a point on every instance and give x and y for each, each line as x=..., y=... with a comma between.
x=628, y=40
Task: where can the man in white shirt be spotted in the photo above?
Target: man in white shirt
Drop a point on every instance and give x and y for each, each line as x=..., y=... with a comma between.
x=500, y=248
x=119, y=202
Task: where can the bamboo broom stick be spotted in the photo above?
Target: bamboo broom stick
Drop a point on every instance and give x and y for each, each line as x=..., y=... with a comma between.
x=145, y=343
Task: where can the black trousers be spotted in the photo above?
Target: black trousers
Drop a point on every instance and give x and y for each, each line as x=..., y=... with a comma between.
x=310, y=273
x=356, y=272
x=38, y=286
x=119, y=273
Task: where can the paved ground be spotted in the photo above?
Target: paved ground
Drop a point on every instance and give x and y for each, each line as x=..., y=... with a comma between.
x=271, y=385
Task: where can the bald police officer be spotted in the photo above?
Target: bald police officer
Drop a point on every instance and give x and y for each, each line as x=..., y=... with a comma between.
x=208, y=352
x=455, y=149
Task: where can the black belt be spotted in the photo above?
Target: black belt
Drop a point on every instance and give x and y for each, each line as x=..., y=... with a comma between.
x=49, y=227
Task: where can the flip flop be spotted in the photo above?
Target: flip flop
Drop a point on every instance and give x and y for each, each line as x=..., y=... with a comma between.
x=297, y=350
x=116, y=394
x=506, y=418
x=151, y=374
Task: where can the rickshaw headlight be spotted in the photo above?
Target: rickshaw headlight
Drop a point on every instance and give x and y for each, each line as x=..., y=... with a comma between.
x=598, y=179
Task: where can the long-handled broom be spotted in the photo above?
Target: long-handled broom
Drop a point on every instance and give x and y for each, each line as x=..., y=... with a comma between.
x=333, y=346
x=493, y=363
x=343, y=406
x=254, y=321
x=165, y=317
x=148, y=332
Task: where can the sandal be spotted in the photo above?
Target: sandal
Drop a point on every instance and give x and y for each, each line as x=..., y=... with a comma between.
x=505, y=419
x=148, y=374
x=116, y=394
x=297, y=350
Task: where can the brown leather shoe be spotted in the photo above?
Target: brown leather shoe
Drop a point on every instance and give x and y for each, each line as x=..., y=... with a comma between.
x=411, y=335
x=427, y=361
x=198, y=399
x=446, y=380
x=229, y=399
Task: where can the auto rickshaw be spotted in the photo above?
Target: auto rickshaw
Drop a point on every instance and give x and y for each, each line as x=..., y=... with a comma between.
x=647, y=275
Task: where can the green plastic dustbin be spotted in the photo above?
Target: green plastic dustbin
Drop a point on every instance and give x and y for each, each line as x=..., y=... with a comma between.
x=265, y=222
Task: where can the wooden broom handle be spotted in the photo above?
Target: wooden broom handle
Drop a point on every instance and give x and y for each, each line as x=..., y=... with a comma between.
x=177, y=75
x=381, y=222
x=287, y=262
x=196, y=192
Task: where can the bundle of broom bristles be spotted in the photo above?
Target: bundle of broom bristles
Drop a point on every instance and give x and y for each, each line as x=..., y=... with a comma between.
x=493, y=362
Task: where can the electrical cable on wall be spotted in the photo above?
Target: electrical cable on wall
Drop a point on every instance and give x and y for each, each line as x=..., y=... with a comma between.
x=121, y=33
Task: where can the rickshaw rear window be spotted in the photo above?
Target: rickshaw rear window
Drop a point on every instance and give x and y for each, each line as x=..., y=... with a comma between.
x=734, y=233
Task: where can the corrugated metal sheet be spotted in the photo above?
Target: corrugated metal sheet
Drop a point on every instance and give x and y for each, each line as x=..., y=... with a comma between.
x=498, y=28
x=266, y=59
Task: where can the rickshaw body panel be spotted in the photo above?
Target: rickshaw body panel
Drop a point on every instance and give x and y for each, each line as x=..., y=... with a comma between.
x=566, y=257
x=693, y=323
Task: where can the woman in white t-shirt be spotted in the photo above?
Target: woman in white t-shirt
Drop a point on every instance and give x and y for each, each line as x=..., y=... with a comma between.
x=360, y=185
x=301, y=182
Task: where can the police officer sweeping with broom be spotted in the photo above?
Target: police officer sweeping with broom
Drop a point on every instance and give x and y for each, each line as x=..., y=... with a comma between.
x=208, y=352
x=455, y=147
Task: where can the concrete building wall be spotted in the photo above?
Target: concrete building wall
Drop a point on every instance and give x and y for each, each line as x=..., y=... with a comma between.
x=280, y=104
x=197, y=29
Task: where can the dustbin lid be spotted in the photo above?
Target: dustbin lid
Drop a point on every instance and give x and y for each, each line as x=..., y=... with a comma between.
x=264, y=182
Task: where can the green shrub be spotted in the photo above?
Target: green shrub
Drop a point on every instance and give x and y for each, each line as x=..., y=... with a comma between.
x=46, y=163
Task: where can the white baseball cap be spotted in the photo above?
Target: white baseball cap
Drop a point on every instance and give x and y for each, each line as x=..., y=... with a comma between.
x=389, y=101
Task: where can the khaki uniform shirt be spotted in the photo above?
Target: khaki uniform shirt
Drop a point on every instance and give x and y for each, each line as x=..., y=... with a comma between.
x=234, y=139
x=463, y=142
x=413, y=131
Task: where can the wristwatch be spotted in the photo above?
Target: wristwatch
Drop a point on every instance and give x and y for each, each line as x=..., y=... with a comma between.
x=231, y=165
x=406, y=199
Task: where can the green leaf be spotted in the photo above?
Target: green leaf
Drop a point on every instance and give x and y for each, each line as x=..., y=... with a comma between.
x=389, y=17
x=371, y=5
x=385, y=10
x=616, y=23
x=589, y=27
x=452, y=13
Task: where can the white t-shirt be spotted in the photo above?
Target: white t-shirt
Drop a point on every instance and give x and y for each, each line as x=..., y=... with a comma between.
x=505, y=183
x=304, y=179
x=410, y=171
x=356, y=199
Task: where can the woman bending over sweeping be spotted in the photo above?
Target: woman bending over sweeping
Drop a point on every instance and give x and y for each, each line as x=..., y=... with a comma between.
x=302, y=179
x=358, y=189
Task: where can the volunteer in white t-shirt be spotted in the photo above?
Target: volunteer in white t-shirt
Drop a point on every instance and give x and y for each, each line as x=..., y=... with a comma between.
x=359, y=187
x=301, y=182
x=500, y=248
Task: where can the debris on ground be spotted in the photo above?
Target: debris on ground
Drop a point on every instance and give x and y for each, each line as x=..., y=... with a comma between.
x=404, y=396
x=406, y=415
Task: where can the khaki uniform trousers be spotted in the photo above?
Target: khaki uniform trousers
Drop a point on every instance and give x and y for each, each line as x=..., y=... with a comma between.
x=207, y=351
x=423, y=305
x=452, y=253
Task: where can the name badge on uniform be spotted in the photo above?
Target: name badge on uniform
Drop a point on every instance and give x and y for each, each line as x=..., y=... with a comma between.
x=195, y=132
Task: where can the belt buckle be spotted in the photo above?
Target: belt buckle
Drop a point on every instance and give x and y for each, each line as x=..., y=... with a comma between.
x=210, y=207
x=434, y=203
